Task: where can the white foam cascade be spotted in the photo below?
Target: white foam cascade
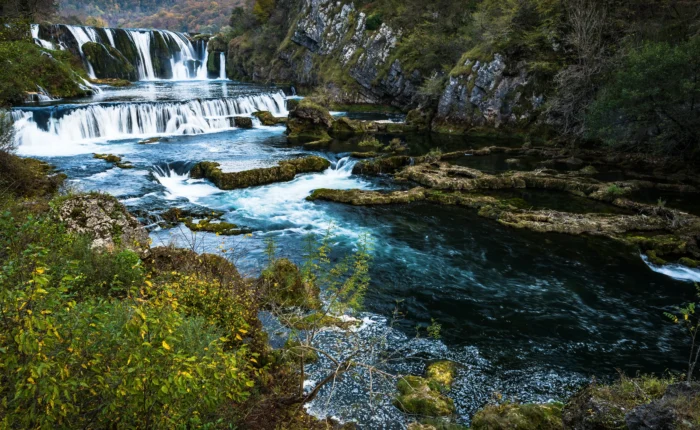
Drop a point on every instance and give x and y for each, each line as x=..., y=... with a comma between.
x=180, y=185
x=99, y=122
x=222, y=66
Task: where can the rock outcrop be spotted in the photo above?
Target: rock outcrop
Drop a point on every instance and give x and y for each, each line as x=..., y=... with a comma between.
x=487, y=94
x=285, y=171
x=105, y=219
x=309, y=121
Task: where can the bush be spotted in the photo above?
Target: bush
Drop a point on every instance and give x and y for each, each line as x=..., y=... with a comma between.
x=373, y=22
x=91, y=339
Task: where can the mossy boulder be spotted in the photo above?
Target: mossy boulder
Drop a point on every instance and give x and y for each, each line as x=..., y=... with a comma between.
x=105, y=219
x=442, y=372
x=421, y=396
x=109, y=63
x=606, y=406
x=344, y=125
x=28, y=177
x=309, y=121
x=516, y=416
x=212, y=226
x=266, y=118
x=379, y=166
x=114, y=159
x=368, y=198
x=284, y=286
x=243, y=122
x=285, y=171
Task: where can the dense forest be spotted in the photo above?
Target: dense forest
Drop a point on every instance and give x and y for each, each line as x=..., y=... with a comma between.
x=203, y=16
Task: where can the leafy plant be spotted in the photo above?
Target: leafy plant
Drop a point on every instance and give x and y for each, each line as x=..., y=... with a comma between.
x=689, y=321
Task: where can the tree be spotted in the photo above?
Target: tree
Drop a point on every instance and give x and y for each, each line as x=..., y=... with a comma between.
x=652, y=102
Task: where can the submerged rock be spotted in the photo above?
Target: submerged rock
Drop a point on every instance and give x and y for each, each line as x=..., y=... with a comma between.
x=105, y=219
x=285, y=171
x=114, y=159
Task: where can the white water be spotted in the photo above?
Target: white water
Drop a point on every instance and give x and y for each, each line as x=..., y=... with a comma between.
x=84, y=35
x=142, y=40
x=284, y=205
x=68, y=133
x=222, y=66
x=180, y=185
x=35, y=35
x=675, y=271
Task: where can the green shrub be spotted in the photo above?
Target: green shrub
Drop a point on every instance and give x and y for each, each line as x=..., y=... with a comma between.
x=373, y=22
x=650, y=103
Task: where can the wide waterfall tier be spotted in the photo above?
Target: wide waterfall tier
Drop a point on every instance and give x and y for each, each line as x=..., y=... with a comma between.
x=133, y=54
x=53, y=128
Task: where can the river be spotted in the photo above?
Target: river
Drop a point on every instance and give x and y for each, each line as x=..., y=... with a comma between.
x=527, y=315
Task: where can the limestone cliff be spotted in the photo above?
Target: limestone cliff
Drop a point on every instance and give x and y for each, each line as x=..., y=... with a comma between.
x=330, y=45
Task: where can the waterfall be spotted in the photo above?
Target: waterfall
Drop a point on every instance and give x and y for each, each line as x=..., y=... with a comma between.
x=186, y=62
x=102, y=122
x=35, y=35
x=82, y=36
x=222, y=66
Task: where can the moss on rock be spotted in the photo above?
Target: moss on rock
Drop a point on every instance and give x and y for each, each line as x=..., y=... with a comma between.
x=243, y=122
x=285, y=171
x=517, y=416
x=309, y=121
x=383, y=165
x=421, y=396
x=266, y=118
x=442, y=372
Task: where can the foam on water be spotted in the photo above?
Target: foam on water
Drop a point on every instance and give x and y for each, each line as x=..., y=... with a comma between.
x=675, y=271
x=283, y=205
x=180, y=185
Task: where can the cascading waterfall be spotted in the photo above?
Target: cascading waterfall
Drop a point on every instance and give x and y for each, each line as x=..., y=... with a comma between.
x=222, y=66
x=186, y=62
x=35, y=131
x=39, y=41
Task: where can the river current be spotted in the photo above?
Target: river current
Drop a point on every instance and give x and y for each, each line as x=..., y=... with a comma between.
x=526, y=315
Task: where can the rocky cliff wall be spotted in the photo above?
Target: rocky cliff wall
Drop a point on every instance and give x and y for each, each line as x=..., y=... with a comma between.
x=329, y=46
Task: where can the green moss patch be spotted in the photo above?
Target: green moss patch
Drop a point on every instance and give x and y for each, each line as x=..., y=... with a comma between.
x=517, y=416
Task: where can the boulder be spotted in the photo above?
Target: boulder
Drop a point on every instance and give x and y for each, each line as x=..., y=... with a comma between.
x=421, y=396
x=309, y=121
x=517, y=416
x=105, y=219
x=266, y=118
x=243, y=122
x=285, y=171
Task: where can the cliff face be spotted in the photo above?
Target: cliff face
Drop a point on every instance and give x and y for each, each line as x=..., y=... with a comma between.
x=330, y=45
x=488, y=94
